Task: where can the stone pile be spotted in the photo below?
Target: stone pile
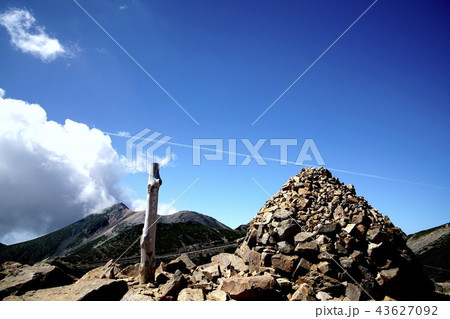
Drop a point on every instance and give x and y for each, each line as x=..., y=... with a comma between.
x=321, y=241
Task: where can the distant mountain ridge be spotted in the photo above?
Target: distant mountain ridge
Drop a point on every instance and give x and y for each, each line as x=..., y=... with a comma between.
x=431, y=246
x=186, y=216
x=103, y=234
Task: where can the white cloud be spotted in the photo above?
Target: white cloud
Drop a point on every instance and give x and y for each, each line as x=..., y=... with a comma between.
x=29, y=37
x=2, y=93
x=138, y=204
x=166, y=209
x=163, y=208
x=123, y=7
x=51, y=174
x=141, y=161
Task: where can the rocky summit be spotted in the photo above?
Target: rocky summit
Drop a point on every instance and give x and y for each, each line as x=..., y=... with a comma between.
x=321, y=241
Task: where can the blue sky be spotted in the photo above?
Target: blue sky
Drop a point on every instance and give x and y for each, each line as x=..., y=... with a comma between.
x=376, y=103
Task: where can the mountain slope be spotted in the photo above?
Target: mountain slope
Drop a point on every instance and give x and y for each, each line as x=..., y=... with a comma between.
x=431, y=247
x=61, y=241
x=113, y=229
x=186, y=216
x=170, y=239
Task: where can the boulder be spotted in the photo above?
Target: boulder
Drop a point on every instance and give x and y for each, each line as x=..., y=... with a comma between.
x=250, y=288
x=254, y=261
x=132, y=295
x=131, y=271
x=174, y=285
x=225, y=260
x=175, y=265
x=284, y=263
x=189, y=294
x=94, y=290
x=217, y=295
x=187, y=261
x=353, y=292
x=20, y=279
x=211, y=271
x=284, y=247
x=303, y=293
x=307, y=248
x=107, y=271
x=323, y=296
x=303, y=236
x=287, y=228
x=302, y=268
x=328, y=228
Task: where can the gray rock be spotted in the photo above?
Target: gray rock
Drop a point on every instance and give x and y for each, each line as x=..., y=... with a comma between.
x=174, y=285
x=302, y=268
x=225, y=260
x=249, y=288
x=346, y=262
x=302, y=237
x=281, y=214
x=328, y=228
x=132, y=295
x=303, y=293
x=21, y=279
x=353, y=292
x=287, y=228
x=175, y=265
x=189, y=294
x=284, y=284
x=388, y=275
x=217, y=295
x=376, y=235
x=187, y=261
x=211, y=271
x=285, y=248
x=284, y=263
x=254, y=261
x=324, y=267
x=307, y=248
x=323, y=296
x=94, y=290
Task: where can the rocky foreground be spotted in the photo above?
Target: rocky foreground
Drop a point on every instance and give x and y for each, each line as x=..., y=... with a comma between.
x=313, y=240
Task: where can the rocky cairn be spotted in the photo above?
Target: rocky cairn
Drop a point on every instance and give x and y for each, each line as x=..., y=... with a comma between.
x=321, y=241
x=313, y=240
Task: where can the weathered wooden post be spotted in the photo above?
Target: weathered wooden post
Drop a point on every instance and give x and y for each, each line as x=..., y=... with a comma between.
x=148, y=239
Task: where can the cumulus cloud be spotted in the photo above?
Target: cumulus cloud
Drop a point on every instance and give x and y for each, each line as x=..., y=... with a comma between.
x=51, y=174
x=166, y=209
x=163, y=208
x=29, y=37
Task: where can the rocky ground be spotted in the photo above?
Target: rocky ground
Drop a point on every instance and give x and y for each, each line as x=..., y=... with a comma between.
x=313, y=240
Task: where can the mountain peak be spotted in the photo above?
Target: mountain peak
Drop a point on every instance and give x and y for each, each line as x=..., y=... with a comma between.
x=187, y=216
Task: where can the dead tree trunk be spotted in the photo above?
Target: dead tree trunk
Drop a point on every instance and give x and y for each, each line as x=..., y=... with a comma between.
x=148, y=239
